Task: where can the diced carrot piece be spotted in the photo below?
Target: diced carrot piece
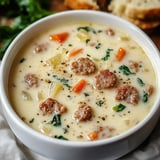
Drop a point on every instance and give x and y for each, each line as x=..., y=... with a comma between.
x=75, y=52
x=79, y=86
x=120, y=54
x=60, y=37
x=93, y=135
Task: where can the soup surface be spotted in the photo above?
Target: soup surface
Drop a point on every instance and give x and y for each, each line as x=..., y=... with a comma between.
x=82, y=82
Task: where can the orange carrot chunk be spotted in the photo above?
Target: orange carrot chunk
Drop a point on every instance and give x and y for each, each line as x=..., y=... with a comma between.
x=93, y=135
x=120, y=54
x=60, y=37
x=79, y=86
x=75, y=52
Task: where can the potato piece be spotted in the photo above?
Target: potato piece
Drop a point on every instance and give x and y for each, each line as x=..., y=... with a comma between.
x=55, y=61
x=55, y=88
x=83, y=35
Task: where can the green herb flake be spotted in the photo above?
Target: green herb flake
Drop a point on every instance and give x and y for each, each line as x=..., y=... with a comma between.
x=87, y=41
x=56, y=121
x=98, y=46
x=99, y=103
x=99, y=31
x=60, y=137
x=108, y=52
x=63, y=80
x=125, y=70
x=118, y=108
x=87, y=29
x=145, y=97
x=140, y=82
x=22, y=60
x=32, y=120
x=86, y=94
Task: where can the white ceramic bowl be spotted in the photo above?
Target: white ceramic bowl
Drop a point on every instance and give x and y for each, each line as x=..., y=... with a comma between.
x=111, y=148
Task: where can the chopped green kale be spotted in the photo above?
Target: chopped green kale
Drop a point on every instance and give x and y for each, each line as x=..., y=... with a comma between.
x=125, y=70
x=56, y=121
x=118, y=108
x=60, y=137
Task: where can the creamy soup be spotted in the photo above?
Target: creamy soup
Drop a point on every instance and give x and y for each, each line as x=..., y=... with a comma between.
x=82, y=82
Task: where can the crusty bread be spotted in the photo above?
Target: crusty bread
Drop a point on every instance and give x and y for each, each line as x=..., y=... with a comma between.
x=136, y=9
x=143, y=13
x=81, y=4
x=145, y=25
x=86, y=4
x=144, y=9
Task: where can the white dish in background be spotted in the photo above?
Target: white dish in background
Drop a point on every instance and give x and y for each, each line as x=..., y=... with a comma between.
x=112, y=148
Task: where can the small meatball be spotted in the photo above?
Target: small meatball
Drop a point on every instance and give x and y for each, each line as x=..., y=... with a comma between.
x=128, y=93
x=134, y=66
x=31, y=80
x=83, y=66
x=110, y=32
x=51, y=105
x=105, y=79
x=40, y=48
x=84, y=113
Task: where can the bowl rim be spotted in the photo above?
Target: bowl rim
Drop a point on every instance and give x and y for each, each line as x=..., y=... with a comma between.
x=34, y=133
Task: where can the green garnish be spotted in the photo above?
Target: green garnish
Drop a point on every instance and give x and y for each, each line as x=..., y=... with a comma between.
x=99, y=103
x=108, y=52
x=145, y=97
x=118, y=108
x=87, y=29
x=32, y=120
x=140, y=82
x=60, y=137
x=63, y=80
x=125, y=70
x=86, y=94
x=98, y=46
x=22, y=60
x=23, y=14
x=56, y=121
x=87, y=40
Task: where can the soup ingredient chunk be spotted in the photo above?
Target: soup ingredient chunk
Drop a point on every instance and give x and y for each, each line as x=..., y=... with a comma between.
x=83, y=66
x=31, y=80
x=105, y=79
x=149, y=89
x=128, y=93
x=40, y=48
x=134, y=65
x=59, y=37
x=51, y=105
x=83, y=113
x=79, y=86
x=120, y=54
x=75, y=52
x=101, y=133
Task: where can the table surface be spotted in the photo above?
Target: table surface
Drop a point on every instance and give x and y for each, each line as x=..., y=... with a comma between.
x=155, y=36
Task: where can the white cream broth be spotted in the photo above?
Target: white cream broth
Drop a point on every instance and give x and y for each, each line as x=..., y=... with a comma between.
x=50, y=62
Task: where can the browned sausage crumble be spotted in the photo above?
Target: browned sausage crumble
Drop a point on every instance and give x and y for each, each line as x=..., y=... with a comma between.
x=83, y=66
x=128, y=93
x=31, y=80
x=84, y=113
x=105, y=79
x=51, y=105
